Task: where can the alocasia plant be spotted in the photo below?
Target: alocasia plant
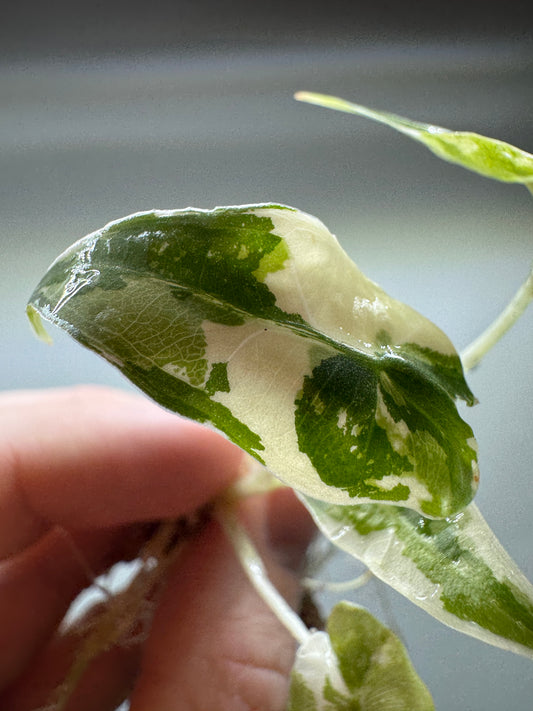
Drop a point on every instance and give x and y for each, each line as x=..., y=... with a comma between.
x=254, y=319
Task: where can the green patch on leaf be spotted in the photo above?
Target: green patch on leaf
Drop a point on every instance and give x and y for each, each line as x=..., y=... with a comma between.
x=381, y=429
x=224, y=316
x=361, y=666
x=37, y=324
x=454, y=569
x=272, y=261
x=336, y=423
x=489, y=157
x=218, y=379
x=442, y=369
x=301, y=696
x=179, y=396
x=374, y=663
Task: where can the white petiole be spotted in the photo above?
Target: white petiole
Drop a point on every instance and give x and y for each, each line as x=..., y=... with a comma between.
x=472, y=354
x=314, y=584
x=255, y=569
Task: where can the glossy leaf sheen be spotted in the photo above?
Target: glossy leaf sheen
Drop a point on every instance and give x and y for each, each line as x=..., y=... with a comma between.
x=253, y=318
x=360, y=666
x=456, y=570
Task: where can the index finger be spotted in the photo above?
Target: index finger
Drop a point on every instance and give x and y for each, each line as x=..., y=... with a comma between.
x=94, y=457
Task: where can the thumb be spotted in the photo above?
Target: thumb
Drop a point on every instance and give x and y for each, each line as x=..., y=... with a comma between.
x=214, y=643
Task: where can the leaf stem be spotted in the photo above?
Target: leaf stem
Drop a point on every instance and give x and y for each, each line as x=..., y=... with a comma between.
x=340, y=586
x=255, y=570
x=473, y=353
x=256, y=480
x=113, y=623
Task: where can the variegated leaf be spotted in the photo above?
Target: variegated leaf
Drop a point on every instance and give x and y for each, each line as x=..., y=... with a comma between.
x=454, y=569
x=359, y=664
x=253, y=318
x=487, y=156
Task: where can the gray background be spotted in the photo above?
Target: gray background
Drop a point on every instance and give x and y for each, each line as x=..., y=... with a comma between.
x=127, y=108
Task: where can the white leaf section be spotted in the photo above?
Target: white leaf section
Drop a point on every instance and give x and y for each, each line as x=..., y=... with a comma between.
x=315, y=665
x=266, y=367
x=390, y=559
x=322, y=283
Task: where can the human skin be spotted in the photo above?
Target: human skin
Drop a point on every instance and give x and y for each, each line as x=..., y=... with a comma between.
x=84, y=473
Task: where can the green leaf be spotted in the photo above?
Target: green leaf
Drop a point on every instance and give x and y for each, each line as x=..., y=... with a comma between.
x=37, y=325
x=454, y=569
x=360, y=666
x=253, y=318
x=488, y=156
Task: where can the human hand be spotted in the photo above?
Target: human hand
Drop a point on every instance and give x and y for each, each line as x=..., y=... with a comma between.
x=83, y=472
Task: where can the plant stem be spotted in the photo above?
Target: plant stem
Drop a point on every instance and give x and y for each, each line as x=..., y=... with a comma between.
x=473, y=353
x=341, y=586
x=257, y=480
x=114, y=622
x=255, y=570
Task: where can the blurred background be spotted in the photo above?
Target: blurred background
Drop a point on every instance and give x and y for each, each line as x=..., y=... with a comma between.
x=118, y=107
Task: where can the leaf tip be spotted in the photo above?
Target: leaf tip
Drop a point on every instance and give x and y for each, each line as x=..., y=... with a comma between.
x=309, y=97
x=37, y=324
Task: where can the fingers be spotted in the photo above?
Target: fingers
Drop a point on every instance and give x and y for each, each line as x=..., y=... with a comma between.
x=214, y=643
x=37, y=587
x=106, y=683
x=93, y=457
